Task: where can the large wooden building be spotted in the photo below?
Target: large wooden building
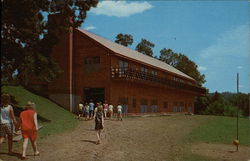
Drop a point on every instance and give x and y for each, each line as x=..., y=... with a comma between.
x=99, y=69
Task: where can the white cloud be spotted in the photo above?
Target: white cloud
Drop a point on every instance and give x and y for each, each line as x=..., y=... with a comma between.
x=120, y=8
x=232, y=43
x=201, y=68
x=90, y=27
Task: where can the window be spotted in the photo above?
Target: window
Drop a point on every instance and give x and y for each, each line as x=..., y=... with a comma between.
x=154, y=72
x=144, y=105
x=123, y=64
x=154, y=107
x=175, y=107
x=143, y=69
x=91, y=64
x=181, y=106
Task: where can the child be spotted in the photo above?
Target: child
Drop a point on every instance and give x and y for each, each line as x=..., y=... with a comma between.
x=86, y=107
x=80, y=110
x=7, y=118
x=119, y=111
x=99, y=123
x=29, y=127
x=110, y=111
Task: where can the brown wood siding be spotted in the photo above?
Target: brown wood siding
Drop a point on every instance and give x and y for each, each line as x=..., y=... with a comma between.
x=115, y=89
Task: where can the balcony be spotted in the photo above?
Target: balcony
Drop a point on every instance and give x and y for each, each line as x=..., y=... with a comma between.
x=127, y=73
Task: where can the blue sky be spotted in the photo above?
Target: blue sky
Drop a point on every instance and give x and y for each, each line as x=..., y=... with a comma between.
x=215, y=35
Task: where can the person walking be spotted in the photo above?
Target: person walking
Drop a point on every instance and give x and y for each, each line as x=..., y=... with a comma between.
x=29, y=128
x=99, y=123
x=86, y=111
x=119, y=111
x=105, y=108
x=91, y=109
x=7, y=118
x=80, y=110
x=110, y=111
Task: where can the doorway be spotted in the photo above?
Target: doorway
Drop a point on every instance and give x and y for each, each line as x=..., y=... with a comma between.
x=96, y=94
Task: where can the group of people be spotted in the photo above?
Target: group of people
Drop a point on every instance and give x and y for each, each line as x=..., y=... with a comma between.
x=88, y=110
x=28, y=125
x=99, y=113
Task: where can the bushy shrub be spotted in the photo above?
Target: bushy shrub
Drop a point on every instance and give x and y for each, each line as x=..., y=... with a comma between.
x=232, y=111
x=222, y=109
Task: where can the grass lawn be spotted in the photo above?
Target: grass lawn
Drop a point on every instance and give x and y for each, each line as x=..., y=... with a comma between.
x=194, y=157
x=220, y=129
x=60, y=119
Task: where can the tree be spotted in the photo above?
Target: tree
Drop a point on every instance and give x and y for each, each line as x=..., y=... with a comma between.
x=145, y=47
x=169, y=57
x=182, y=63
x=28, y=38
x=201, y=103
x=124, y=39
x=240, y=100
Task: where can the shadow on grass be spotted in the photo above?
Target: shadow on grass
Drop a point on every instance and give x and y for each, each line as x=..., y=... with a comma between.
x=89, y=141
x=18, y=155
x=232, y=151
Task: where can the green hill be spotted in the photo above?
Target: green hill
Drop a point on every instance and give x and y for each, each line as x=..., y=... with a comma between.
x=61, y=120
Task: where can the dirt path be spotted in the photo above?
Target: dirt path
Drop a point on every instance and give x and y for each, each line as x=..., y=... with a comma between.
x=134, y=139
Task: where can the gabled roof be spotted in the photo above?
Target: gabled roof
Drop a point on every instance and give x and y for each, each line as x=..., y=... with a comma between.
x=127, y=52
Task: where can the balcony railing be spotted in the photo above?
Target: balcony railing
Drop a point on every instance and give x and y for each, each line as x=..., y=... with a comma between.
x=144, y=76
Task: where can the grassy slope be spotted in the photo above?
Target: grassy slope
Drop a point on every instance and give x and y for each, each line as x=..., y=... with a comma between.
x=61, y=119
x=219, y=129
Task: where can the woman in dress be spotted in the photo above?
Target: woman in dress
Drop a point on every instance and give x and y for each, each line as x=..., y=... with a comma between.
x=29, y=128
x=99, y=123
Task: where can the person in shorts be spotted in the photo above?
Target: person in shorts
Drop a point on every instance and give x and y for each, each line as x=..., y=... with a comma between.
x=110, y=111
x=80, y=110
x=119, y=111
x=86, y=110
x=7, y=118
x=105, y=109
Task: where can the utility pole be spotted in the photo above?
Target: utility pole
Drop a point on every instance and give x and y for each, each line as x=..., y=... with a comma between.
x=236, y=142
